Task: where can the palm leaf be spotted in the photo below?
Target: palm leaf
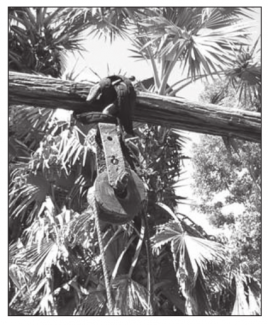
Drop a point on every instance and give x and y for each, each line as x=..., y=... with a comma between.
x=203, y=49
x=17, y=149
x=246, y=301
x=170, y=232
x=45, y=243
x=130, y=297
x=82, y=230
x=18, y=271
x=112, y=22
x=41, y=39
x=40, y=259
x=30, y=123
x=94, y=304
x=33, y=190
x=196, y=254
x=169, y=211
x=214, y=18
x=115, y=253
x=192, y=252
x=209, y=51
x=70, y=149
x=244, y=73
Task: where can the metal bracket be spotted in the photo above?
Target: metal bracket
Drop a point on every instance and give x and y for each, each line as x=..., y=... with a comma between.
x=118, y=176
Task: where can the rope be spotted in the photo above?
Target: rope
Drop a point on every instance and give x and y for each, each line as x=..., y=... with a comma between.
x=150, y=279
x=101, y=167
x=104, y=268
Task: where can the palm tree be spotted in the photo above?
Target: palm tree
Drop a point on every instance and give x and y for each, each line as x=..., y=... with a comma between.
x=55, y=245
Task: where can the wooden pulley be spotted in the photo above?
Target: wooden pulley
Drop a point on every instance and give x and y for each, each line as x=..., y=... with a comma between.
x=119, y=209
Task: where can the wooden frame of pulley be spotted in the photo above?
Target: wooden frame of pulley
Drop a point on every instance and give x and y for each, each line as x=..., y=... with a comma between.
x=115, y=209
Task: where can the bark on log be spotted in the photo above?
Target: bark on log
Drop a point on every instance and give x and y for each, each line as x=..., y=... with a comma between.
x=151, y=108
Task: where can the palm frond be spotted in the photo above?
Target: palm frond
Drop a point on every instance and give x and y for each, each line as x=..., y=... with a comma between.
x=94, y=304
x=18, y=271
x=65, y=162
x=17, y=149
x=25, y=191
x=113, y=22
x=244, y=73
x=40, y=259
x=30, y=124
x=115, y=253
x=39, y=37
x=197, y=253
x=170, y=232
x=198, y=41
x=169, y=211
x=210, y=51
x=46, y=242
x=82, y=230
x=130, y=297
x=247, y=301
x=214, y=18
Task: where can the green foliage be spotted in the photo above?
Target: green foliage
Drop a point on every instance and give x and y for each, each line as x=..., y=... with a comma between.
x=245, y=74
x=192, y=257
x=244, y=245
x=241, y=81
x=199, y=39
x=38, y=38
x=227, y=172
x=218, y=169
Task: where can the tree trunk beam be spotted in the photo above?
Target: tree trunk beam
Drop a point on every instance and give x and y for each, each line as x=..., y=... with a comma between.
x=173, y=112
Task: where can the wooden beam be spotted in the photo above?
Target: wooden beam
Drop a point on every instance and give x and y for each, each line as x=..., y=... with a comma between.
x=40, y=91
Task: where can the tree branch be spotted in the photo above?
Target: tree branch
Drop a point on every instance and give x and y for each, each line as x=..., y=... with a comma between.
x=173, y=112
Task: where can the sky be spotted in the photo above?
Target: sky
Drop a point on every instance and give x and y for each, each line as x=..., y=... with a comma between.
x=106, y=58
x=101, y=56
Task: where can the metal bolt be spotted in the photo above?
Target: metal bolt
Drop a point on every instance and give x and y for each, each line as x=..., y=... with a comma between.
x=122, y=181
x=114, y=160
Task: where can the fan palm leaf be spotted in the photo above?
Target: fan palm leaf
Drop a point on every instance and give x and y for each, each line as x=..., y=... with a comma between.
x=38, y=39
x=191, y=257
x=17, y=149
x=247, y=301
x=46, y=239
x=18, y=272
x=197, y=253
x=94, y=304
x=201, y=39
x=61, y=161
x=112, y=22
x=82, y=230
x=30, y=124
x=27, y=190
x=244, y=73
x=130, y=297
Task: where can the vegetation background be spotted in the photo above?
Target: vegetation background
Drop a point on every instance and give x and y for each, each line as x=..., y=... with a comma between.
x=54, y=255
